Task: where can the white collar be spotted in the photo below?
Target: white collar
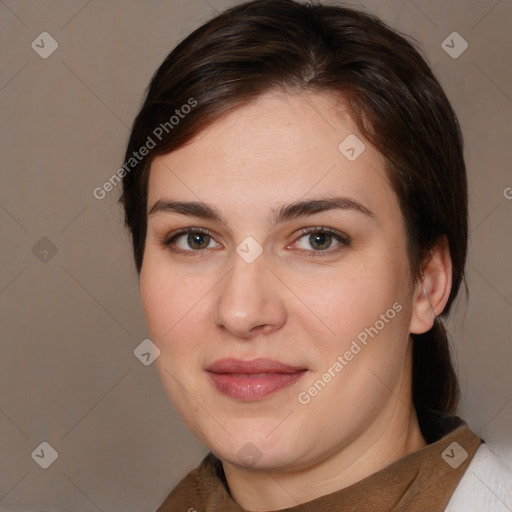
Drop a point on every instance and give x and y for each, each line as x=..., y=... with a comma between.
x=486, y=485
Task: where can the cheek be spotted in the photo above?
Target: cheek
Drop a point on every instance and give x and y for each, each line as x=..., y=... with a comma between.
x=369, y=313
x=161, y=303
x=354, y=297
x=156, y=301
x=174, y=304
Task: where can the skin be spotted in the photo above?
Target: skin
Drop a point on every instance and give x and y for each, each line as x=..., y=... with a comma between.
x=304, y=311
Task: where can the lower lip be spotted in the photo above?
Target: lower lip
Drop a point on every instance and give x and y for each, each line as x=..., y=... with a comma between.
x=253, y=387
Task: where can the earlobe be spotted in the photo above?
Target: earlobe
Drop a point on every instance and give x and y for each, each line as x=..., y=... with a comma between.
x=431, y=293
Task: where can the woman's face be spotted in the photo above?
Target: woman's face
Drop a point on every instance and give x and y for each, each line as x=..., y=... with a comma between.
x=283, y=330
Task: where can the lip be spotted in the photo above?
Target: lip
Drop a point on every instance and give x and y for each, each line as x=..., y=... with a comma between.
x=254, y=379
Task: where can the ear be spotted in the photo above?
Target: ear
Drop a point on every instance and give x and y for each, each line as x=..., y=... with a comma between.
x=432, y=291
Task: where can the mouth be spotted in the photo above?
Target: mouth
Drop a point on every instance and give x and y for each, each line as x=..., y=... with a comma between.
x=252, y=380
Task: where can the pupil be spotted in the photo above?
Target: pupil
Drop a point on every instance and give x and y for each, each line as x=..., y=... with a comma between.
x=320, y=239
x=196, y=238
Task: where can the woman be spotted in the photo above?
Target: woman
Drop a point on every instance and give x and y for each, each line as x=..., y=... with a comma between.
x=296, y=193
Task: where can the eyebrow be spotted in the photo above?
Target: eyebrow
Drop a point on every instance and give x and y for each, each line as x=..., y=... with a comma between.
x=282, y=213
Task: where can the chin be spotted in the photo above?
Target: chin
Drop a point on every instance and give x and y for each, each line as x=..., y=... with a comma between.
x=252, y=448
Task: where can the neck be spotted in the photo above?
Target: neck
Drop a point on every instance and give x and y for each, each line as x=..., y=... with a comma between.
x=395, y=434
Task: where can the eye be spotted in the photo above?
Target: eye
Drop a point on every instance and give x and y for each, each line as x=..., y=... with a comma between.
x=193, y=241
x=321, y=240
x=190, y=241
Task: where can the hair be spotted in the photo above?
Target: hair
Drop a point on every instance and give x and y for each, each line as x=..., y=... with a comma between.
x=394, y=100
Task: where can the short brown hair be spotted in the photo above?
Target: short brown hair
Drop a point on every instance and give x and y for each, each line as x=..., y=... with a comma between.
x=394, y=99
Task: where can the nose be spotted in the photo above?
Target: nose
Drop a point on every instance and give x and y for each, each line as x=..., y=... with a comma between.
x=249, y=301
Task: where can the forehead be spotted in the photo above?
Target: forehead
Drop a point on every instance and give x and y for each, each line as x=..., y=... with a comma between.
x=278, y=148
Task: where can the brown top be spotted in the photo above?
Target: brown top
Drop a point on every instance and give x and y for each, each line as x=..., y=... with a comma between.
x=423, y=481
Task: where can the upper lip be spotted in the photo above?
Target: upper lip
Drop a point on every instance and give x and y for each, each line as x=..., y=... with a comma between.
x=260, y=365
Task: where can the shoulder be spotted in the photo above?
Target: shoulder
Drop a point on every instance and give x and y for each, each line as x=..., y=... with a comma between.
x=486, y=485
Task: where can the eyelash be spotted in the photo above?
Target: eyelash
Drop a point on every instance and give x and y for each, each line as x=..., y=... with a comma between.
x=343, y=239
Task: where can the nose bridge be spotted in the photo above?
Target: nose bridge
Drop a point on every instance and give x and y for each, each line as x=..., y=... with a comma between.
x=248, y=299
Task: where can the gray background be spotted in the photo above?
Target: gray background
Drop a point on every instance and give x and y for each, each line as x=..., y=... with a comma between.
x=71, y=320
